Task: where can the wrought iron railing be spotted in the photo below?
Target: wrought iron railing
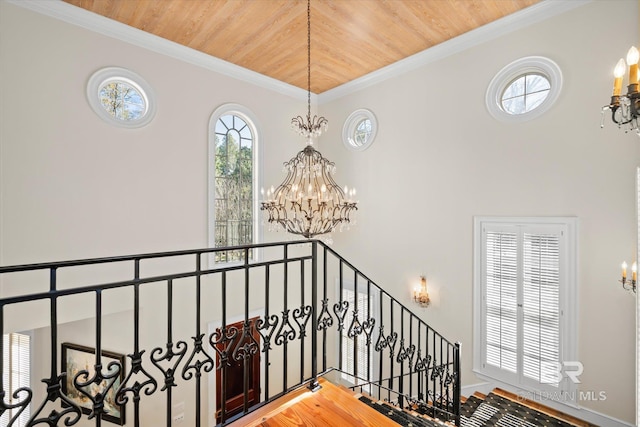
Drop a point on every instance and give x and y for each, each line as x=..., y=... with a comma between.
x=302, y=309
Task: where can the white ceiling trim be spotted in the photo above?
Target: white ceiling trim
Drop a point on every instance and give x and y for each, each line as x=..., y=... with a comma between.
x=111, y=28
x=525, y=17
x=97, y=23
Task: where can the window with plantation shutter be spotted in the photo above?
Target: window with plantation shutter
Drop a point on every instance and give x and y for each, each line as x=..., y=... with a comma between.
x=525, y=300
x=357, y=357
x=16, y=362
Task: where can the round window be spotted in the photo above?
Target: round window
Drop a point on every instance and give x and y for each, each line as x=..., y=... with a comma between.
x=524, y=89
x=359, y=130
x=120, y=97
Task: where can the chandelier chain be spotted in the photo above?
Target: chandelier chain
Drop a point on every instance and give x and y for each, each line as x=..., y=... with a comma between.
x=308, y=58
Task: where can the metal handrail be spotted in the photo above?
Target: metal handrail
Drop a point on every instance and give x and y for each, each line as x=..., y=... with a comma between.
x=411, y=359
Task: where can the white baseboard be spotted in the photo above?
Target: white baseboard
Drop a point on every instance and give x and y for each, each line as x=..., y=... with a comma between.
x=585, y=414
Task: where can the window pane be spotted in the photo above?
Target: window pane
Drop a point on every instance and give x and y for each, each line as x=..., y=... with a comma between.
x=537, y=83
x=362, y=133
x=535, y=99
x=122, y=101
x=525, y=94
x=233, y=186
x=514, y=105
x=516, y=88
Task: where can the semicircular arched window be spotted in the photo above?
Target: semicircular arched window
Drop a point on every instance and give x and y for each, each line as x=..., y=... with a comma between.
x=232, y=181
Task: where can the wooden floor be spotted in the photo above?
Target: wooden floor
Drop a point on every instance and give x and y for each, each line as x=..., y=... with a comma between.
x=329, y=407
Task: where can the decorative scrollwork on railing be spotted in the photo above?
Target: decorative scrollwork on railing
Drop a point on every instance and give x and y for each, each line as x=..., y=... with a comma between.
x=367, y=328
x=149, y=385
x=194, y=364
x=21, y=404
x=247, y=345
x=169, y=373
x=406, y=353
x=355, y=328
x=70, y=414
x=269, y=325
x=100, y=383
x=222, y=342
x=449, y=378
x=438, y=370
x=325, y=320
x=285, y=332
x=340, y=309
x=422, y=363
x=301, y=315
x=387, y=342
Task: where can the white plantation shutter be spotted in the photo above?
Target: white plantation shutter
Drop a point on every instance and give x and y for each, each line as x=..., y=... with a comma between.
x=348, y=343
x=541, y=306
x=522, y=278
x=364, y=353
x=16, y=359
x=501, y=300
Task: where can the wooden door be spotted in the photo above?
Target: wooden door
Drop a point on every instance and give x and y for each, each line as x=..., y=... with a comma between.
x=234, y=376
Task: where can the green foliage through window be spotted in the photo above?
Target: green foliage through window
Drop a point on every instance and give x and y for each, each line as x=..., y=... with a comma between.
x=233, y=186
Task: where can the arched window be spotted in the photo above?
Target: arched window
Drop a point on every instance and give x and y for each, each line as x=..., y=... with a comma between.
x=233, y=155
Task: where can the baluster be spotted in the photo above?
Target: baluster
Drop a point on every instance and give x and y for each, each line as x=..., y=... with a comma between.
x=456, y=383
x=157, y=357
x=302, y=330
x=285, y=316
x=199, y=360
x=314, y=316
x=149, y=385
x=72, y=412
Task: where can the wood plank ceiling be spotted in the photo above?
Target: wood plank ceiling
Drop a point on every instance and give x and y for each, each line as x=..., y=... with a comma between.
x=349, y=38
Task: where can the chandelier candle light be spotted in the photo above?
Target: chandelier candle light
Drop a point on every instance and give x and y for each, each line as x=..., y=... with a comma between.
x=625, y=108
x=309, y=202
x=626, y=284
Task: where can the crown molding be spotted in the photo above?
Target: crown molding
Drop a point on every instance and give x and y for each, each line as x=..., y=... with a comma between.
x=58, y=9
x=74, y=15
x=523, y=18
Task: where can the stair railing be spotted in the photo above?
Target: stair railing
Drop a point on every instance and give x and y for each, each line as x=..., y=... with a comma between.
x=185, y=323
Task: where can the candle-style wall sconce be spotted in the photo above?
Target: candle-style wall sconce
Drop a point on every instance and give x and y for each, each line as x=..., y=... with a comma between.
x=629, y=285
x=420, y=294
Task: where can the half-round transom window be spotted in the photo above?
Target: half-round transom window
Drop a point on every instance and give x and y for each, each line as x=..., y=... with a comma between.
x=120, y=97
x=359, y=130
x=524, y=89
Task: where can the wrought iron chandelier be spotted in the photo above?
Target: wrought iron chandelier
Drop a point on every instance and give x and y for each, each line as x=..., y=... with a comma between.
x=309, y=202
x=625, y=109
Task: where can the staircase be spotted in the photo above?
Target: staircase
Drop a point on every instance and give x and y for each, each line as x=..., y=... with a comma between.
x=502, y=408
x=336, y=405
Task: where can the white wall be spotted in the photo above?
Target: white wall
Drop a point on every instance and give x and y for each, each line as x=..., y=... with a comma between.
x=72, y=186
x=439, y=159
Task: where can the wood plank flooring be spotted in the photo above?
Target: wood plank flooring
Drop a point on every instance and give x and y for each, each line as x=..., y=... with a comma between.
x=330, y=406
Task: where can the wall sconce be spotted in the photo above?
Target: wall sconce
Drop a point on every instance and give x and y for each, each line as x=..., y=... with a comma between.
x=626, y=284
x=420, y=294
x=625, y=109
